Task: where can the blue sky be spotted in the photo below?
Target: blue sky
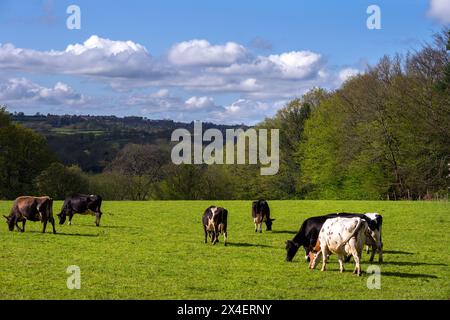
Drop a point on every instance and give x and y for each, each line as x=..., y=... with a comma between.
x=222, y=61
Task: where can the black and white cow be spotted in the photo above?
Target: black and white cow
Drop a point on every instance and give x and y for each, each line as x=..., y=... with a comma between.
x=344, y=237
x=214, y=223
x=310, y=229
x=260, y=214
x=81, y=204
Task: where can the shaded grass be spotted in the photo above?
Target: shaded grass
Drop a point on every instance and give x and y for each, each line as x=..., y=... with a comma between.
x=155, y=250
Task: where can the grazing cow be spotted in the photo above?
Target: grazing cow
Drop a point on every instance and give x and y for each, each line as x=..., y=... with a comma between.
x=260, y=214
x=81, y=204
x=373, y=238
x=215, y=223
x=344, y=237
x=309, y=233
x=32, y=209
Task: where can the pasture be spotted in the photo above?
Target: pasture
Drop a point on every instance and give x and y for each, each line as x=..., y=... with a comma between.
x=155, y=250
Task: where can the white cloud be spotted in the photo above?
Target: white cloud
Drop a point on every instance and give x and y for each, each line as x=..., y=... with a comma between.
x=297, y=64
x=197, y=71
x=347, y=73
x=246, y=111
x=23, y=92
x=196, y=103
x=96, y=57
x=440, y=10
x=202, y=53
x=106, y=46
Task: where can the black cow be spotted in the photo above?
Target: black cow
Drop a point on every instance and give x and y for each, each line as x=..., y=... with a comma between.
x=31, y=209
x=214, y=223
x=260, y=214
x=310, y=229
x=81, y=204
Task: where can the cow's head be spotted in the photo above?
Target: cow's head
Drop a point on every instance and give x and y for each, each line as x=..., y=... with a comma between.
x=269, y=224
x=291, y=250
x=62, y=217
x=9, y=222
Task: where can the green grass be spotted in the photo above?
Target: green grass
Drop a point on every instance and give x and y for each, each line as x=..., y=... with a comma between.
x=70, y=131
x=155, y=250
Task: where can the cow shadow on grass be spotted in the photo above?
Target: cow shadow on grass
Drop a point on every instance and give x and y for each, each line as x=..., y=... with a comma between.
x=409, y=275
x=66, y=234
x=244, y=244
x=108, y=227
x=283, y=232
x=396, y=252
x=412, y=264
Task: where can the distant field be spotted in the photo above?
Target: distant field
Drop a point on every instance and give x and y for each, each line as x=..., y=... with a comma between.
x=66, y=131
x=155, y=250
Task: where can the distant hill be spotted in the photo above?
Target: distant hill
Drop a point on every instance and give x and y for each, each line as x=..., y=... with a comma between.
x=91, y=142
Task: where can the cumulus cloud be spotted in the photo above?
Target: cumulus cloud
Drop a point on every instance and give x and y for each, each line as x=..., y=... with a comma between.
x=95, y=57
x=347, y=73
x=23, y=92
x=246, y=111
x=297, y=64
x=196, y=103
x=202, y=53
x=440, y=10
x=196, y=71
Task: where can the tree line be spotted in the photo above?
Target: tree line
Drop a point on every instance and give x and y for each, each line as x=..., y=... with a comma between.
x=384, y=134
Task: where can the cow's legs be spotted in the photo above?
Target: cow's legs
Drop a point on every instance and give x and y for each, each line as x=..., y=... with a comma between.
x=23, y=225
x=341, y=263
x=367, y=249
x=380, y=252
x=324, y=258
x=17, y=225
x=70, y=218
x=44, y=223
x=260, y=227
x=206, y=234
x=98, y=215
x=225, y=237
x=315, y=261
x=52, y=221
x=374, y=250
x=356, y=257
x=256, y=227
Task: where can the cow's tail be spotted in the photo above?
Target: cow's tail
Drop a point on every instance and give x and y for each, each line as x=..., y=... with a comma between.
x=352, y=234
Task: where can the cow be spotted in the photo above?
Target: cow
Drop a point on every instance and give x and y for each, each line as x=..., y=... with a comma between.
x=344, y=237
x=373, y=238
x=309, y=233
x=214, y=223
x=260, y=214
x=31, y=209
x=81, y=204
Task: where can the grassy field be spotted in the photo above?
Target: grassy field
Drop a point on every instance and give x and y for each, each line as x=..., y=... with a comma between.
x=155, y=250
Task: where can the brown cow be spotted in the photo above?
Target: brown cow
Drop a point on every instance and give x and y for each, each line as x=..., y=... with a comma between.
x=32, y=209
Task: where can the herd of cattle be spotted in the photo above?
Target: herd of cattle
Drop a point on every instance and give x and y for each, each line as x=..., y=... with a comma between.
x=41, y=209
x=343, y=234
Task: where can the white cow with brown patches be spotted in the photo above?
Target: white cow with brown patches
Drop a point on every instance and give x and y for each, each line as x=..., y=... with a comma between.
x=344, y=237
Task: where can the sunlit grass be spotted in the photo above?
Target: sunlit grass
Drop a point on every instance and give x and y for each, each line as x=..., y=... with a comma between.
x=155, y=250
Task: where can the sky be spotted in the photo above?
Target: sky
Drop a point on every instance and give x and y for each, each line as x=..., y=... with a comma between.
x=228, y=62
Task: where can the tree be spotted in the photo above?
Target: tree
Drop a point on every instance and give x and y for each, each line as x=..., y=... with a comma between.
x=143, y=167
x=23, y=155
x=58, y=181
